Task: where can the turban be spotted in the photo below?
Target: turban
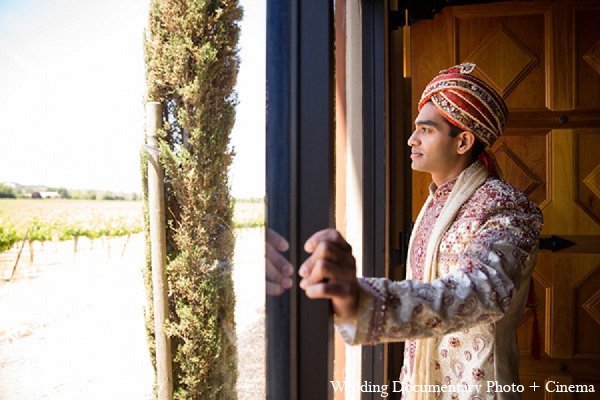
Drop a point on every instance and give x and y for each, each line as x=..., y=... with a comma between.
x=467, y=102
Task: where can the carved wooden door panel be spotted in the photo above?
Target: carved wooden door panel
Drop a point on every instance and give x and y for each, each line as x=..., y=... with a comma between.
x=544, y=59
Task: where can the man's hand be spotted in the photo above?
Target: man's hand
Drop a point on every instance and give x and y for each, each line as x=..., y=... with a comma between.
x=330, y=272
x=278, y=270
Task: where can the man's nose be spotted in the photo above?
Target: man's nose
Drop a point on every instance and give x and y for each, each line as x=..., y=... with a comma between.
x=412, y=140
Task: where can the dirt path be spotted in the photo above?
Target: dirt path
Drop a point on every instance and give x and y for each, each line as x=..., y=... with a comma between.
x=249, y=279
x=72, y=327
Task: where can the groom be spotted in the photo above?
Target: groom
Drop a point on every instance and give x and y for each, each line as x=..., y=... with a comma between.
x=471, y=254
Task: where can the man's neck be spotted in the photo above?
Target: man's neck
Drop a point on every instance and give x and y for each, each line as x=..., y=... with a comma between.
x=440, y=179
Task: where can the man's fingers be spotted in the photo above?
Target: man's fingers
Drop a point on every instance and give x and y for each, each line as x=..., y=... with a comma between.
x=277, y=241
x=339, y=261
x=324, y=279
x=326, y=235
x=312, y=272
x=273, y=289
x=322, y=269
x=329, y=290
x=277, y=266
x=278, y=270
x=278, y=275
x=278, y=260
x=330, y=272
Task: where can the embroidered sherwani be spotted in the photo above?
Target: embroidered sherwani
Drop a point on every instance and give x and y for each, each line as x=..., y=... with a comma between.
x=460, y=325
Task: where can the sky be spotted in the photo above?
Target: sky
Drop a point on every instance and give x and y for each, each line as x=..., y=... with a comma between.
x=72, y=95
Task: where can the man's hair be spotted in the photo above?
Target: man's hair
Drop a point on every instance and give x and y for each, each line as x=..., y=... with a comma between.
x=478, y=146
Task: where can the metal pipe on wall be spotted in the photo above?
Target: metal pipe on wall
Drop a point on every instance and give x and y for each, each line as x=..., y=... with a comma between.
x=158, y=247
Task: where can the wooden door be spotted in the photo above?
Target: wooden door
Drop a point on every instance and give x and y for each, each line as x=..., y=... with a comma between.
x=544, y=59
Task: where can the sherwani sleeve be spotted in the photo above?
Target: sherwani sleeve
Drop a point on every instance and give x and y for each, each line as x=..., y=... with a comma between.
x=493, y=260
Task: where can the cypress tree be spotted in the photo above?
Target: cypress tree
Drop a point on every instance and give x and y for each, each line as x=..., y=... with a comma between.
x=191, y=69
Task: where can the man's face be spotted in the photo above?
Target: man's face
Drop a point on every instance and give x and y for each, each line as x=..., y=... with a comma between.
x=433, y=150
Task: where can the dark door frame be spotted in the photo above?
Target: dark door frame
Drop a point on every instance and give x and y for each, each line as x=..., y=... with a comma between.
x=300, y=131
x=300, y=194
x=374, y=167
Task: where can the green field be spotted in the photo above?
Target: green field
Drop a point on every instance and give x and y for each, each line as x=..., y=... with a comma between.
x=65, y=219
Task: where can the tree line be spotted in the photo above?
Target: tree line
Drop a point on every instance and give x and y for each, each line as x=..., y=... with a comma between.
x=21, y=192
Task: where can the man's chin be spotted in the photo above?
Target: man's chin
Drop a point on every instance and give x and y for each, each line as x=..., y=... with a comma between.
x=415, y=167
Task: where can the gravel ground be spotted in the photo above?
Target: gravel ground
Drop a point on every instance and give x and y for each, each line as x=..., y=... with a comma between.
x=249, y=280
x=71, y=324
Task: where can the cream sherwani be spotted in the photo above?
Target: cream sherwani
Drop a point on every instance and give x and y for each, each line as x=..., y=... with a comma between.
x=471, y=256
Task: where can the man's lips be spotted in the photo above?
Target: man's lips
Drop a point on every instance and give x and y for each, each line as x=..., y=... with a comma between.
x=415, y=154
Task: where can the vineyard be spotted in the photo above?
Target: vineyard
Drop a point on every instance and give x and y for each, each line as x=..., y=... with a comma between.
x=45, y=220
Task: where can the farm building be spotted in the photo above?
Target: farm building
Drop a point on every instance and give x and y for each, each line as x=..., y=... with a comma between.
x=44, y=195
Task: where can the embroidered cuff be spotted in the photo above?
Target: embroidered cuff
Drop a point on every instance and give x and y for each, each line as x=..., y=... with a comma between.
x=346, y=329
x=367, y=326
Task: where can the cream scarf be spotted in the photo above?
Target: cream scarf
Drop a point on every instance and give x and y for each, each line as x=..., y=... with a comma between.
x=466, y=185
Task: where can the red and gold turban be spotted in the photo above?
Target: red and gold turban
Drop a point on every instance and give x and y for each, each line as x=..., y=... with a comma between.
x=467, y=102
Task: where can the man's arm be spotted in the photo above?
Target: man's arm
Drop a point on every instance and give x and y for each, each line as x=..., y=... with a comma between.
x=491, y=268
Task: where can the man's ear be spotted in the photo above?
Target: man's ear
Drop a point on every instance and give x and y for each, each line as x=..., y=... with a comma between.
x=466, y=140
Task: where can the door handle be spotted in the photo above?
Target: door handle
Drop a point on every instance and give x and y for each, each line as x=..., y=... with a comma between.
x=555, y=243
